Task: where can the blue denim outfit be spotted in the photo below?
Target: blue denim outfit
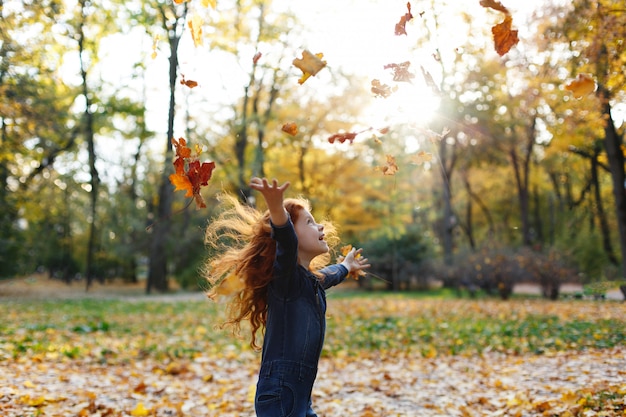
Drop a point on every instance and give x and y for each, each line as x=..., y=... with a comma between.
x=294, y=332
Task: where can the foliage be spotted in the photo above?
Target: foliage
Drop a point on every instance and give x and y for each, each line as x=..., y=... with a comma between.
x=154, y=348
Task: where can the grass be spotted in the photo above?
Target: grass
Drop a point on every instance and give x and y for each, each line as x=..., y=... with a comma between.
x=358, y=323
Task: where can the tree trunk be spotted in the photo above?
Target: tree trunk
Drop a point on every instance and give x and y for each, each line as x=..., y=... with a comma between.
x=613, y=143
x=89, y=138
x=600, y=212
x=157, y=273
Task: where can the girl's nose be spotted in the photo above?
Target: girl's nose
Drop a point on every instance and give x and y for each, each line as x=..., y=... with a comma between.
x=320, y=227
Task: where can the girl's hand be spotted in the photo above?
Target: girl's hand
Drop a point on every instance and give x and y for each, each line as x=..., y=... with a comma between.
x=354, y=262
x=273, y=195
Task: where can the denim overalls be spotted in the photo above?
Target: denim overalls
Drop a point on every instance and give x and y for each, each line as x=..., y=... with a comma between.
x=294, y=332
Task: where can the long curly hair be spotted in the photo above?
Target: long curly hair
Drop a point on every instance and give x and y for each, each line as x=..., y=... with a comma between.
x=241, y=259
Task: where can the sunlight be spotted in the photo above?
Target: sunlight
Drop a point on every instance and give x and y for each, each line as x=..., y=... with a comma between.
x=412, y=103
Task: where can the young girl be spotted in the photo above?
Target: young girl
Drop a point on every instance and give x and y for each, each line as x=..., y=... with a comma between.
x=275, y=256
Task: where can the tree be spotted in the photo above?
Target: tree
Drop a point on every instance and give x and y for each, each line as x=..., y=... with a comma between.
x=172, y=19
x=589, y=34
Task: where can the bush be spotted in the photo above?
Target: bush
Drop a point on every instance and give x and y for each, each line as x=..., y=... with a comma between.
x=399, y=260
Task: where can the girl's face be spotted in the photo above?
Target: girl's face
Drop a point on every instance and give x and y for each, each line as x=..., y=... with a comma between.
x=311, y=241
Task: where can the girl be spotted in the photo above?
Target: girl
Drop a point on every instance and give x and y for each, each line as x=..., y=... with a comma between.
x=275, y=257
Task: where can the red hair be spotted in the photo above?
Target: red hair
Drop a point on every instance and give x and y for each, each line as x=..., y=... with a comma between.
x=241, y=248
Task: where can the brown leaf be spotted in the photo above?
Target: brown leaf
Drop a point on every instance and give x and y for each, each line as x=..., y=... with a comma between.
x=504, y=37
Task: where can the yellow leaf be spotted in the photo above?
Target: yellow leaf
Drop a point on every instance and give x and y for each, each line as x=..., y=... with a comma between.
x=309, y=64
x=140, y=411
x=29, y=384
x=195, y=24
x=207, y=3
x=583, y=85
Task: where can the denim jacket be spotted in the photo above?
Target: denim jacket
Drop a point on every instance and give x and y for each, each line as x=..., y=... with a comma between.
x=296, y=321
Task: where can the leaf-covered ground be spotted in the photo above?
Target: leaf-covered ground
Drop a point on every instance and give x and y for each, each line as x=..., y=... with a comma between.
x=385, y=355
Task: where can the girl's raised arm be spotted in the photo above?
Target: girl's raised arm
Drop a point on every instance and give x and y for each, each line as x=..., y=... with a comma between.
x=273, y=195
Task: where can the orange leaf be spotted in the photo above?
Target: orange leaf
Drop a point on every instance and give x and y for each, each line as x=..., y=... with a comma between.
x=182, y=151
x=401, y=25
x=494, y=4
x=503, y=36
x=290, y=128
x=390, y=168
x=195, y=176
x=382, y=90
x=583, y=85
x=189, y=83
x=181, y=182
x=309, y=64
x=401, y=71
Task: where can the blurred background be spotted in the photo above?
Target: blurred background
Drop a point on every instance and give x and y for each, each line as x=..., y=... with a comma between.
x=476, y=171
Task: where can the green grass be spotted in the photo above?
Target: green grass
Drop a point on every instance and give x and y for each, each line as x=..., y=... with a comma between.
x=363, y=323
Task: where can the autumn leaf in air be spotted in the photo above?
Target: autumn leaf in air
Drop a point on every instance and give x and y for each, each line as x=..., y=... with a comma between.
x=309, y=64
x=382, y=90
x=504, y=37
x=401, y=25
x=421, y=157
x=401, y=71
x=390, y=168
x=190, y=175
x=342, y=137
x=195, y=25
x=188, y=83
x=290, y=128
x=345, y=250
x=583, y=85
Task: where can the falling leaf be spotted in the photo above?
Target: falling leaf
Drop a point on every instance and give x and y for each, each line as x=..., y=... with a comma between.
x=421, y=157
x=401, y=71
x=390, y=168
x=401, y=25
x=195, y=24
x=503, y=36
x=256, y=57
x=290, y=128
x=342, y=137
x=309, y=64
x=189, y=174
x=583, y=85
x=188, y=83
x=494, y=4
x=382, y=90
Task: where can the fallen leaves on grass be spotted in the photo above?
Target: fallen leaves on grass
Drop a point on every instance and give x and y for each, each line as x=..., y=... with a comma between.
x=384, y=355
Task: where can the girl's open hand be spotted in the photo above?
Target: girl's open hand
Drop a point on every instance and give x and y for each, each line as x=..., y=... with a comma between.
x=273, y=195
x=354, y=262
